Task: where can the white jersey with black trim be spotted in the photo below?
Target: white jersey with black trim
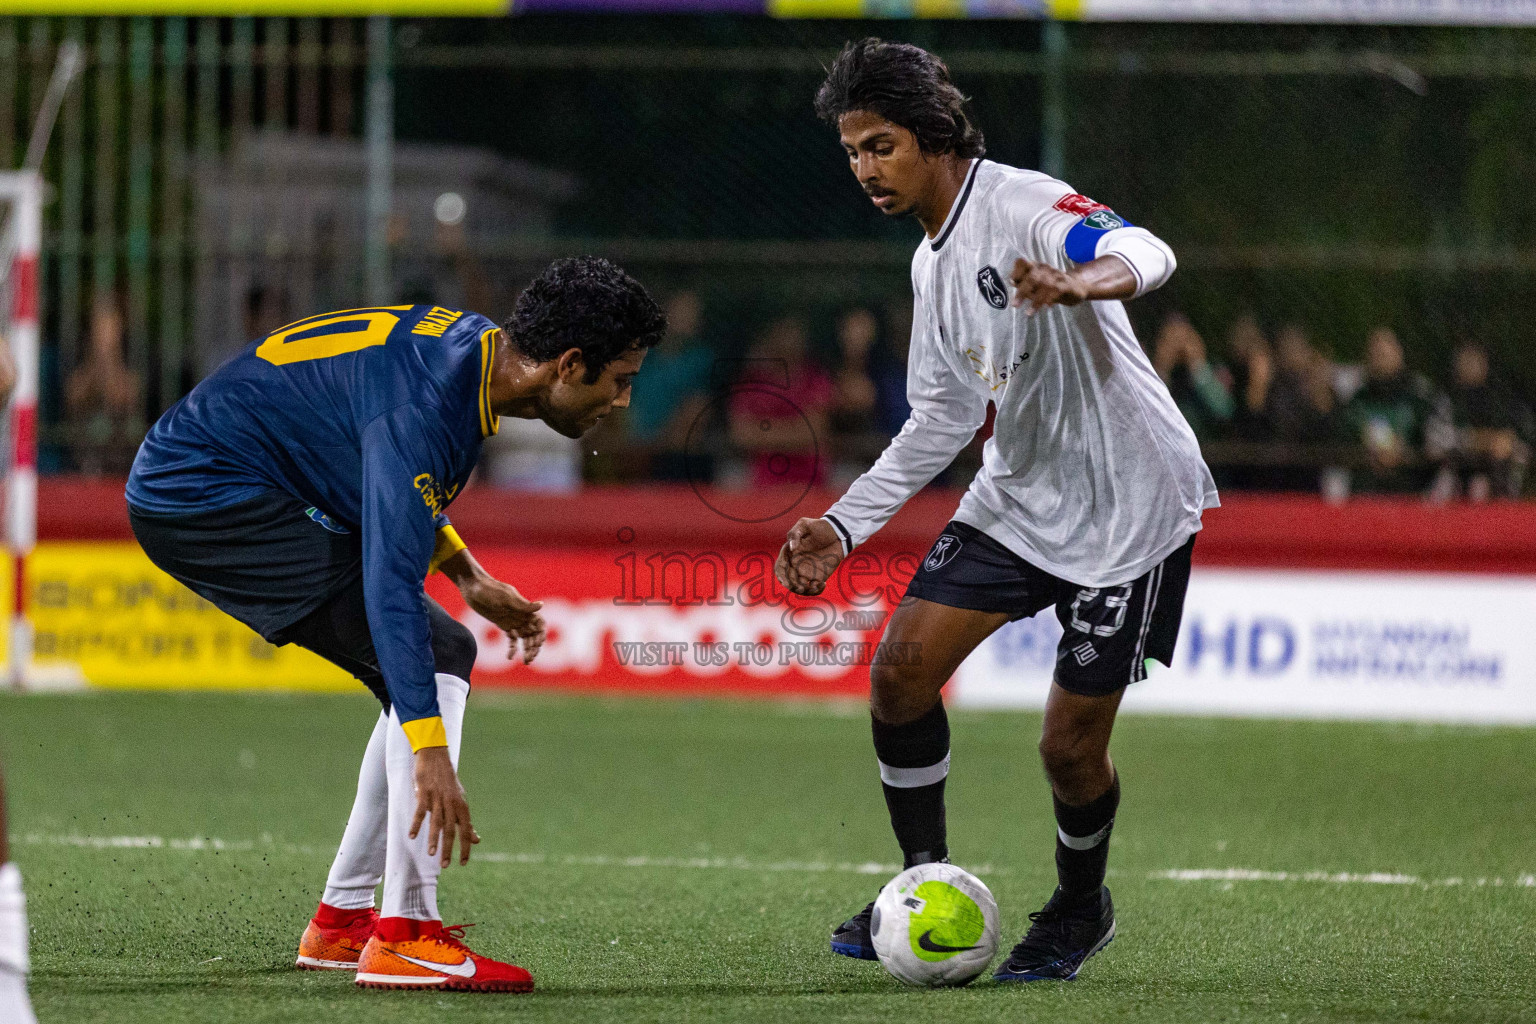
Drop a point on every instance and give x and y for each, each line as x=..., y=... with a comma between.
x=1091, y=473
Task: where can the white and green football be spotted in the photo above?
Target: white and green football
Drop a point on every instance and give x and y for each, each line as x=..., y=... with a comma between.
x=935, y=925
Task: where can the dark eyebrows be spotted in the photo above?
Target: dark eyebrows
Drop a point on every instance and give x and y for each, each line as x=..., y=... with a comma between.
x=870, y=141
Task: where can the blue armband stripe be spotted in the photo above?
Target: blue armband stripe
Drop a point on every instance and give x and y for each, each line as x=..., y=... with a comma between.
x=1083, y=239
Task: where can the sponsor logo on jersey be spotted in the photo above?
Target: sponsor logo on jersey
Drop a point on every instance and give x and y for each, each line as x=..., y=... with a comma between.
x=944, y=549
x=1104, y=220
x=995, y=377
x=991, y=284
x=432, y=493
x=1078, y=206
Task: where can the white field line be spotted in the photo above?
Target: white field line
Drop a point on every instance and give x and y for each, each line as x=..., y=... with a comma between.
x=202, y=844
x=207, y=844
x=1332, y=877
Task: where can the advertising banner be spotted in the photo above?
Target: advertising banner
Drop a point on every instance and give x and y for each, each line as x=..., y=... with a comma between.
x=103, y=615
x=1365, y=12
x=1311, y=645
x=1284, y=643
x=688, y=622
x=257, y=8
x=1362, y=12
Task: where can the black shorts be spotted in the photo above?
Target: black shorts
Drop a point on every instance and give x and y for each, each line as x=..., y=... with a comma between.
x=273, y=564
x=1108, y=633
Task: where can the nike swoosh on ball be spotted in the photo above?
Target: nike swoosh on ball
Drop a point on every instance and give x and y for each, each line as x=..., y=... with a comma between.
x=933, y=947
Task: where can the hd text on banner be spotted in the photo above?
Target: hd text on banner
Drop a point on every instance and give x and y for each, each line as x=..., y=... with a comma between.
x=1367, y=645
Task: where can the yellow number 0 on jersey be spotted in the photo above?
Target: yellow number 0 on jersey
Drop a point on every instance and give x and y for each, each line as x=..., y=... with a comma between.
x=374, y=327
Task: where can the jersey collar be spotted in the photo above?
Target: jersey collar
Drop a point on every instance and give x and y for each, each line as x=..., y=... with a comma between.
x=489, y=421
x=955, y=211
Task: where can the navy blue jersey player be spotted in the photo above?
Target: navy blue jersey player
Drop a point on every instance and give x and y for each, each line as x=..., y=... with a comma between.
x=303, y=488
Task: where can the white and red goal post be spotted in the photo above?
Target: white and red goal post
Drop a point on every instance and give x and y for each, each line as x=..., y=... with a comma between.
x=21, y=235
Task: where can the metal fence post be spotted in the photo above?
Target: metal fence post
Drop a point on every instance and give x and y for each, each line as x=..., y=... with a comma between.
x=380, y=131
x=1053, y=90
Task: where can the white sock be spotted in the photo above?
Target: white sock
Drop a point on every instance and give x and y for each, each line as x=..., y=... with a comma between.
x=410, y=874
x=359, y=865
x=15, y=1007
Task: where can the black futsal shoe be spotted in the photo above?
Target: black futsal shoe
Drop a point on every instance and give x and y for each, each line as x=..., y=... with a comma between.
x=851, y=938
x=1062, y=936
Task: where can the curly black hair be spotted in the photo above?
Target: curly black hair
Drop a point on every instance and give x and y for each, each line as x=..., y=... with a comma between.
x=588, y=303
x=907, y=86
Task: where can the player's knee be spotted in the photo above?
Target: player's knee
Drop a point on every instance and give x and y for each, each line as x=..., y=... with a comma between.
x=899, y=693
x=1068, y=754
x=453, y=647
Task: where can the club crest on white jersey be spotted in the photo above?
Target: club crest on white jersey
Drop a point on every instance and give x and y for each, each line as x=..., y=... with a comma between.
x=991, y=284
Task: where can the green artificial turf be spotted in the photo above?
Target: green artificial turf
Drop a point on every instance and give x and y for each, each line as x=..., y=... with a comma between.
x=684, y=860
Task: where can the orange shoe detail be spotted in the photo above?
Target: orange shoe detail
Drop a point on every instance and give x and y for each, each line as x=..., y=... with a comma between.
x=423, y=954
x=335, y=939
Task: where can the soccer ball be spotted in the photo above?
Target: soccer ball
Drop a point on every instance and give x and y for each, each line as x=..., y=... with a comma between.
x=935, y=925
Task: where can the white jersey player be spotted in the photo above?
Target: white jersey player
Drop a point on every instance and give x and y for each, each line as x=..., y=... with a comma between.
x=1091, y=487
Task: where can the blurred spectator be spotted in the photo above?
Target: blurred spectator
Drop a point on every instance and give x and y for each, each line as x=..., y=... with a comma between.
x=1300, y=402
x=446, y=273
x=1178, y=355
x=854, y=395
x=779, y=408
x=103, y=398
x=890, y=375
x=265, y=311
x=528, y=455
x=7, y=370
x=1493, y=431
x=855, y=415
x=1252, y=371
x=670, y=395
x=1399, y=419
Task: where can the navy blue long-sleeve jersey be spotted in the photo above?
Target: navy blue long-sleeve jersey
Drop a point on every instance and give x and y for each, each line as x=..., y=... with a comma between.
x=374, y=416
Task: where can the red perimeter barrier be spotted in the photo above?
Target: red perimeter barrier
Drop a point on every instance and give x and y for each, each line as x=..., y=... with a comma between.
x=1262, y=531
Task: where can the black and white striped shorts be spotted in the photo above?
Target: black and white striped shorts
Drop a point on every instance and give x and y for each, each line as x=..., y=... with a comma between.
x=1108, y=633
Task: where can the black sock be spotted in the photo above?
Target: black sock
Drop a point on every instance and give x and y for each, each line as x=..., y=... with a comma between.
x=914, y=762
x=1080, y=866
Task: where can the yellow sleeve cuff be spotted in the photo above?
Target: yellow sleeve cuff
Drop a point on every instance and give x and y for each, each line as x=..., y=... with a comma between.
x=425, y=732
x=448, y=544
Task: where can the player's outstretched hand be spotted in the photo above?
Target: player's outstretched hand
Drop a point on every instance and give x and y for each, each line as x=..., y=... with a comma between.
x=513, y=613
x=1037, y=285
x=809, y=556
x=439, y=794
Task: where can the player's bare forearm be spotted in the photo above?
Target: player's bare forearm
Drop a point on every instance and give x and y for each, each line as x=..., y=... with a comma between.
x=1037, y=285
x=462, y=568
x=499, y=602
x=1108, y=277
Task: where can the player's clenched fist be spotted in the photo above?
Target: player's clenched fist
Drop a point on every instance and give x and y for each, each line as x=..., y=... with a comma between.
x=1037, y=285
x=809, y=556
